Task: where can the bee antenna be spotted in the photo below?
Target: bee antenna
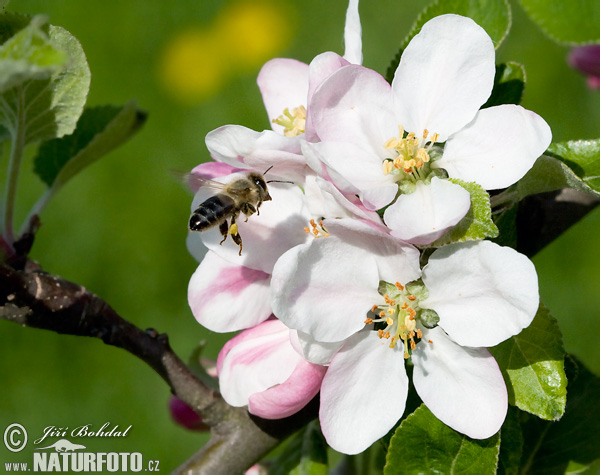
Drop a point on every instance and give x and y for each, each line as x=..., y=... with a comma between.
x=267, y=170
x=281, y=181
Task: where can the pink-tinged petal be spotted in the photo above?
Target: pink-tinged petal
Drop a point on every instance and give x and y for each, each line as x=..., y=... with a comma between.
x=265, y=236
x=353, y=34
x=463, y=387
x=281, y=165
x=290, y=396
x=306, y=285
x=231, y=143
x=256, y=364
x=283, y=84
x=321, y=67
x=483, y=293
x=317, y=163
x=317, y=352
x=363, y=393
x=445, y=75
x=354, y=105
x=212, y=170
x=325, y=199
x=267, y=328
x=225, y=297
x=245, y=148
x=359, y=166
x=396, y=261
x=423, y=216
x=497, y=148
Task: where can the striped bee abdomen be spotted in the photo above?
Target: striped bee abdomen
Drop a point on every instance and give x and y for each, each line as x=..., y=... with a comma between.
x=213, y=211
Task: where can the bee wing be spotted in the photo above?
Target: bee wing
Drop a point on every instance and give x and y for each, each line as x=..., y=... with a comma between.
x=193, y=181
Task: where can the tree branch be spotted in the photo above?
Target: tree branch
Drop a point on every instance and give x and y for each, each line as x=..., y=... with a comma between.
x=33, y=298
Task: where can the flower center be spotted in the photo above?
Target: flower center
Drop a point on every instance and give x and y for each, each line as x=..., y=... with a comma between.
x=409, y=155
x=293, y=122
x=397, y=319
x=317, y=230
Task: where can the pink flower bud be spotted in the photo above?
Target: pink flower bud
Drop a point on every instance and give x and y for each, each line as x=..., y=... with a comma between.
x=185, y=416
x=586, y=59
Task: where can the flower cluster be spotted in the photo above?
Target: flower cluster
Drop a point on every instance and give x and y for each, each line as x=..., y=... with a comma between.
x=345, y=276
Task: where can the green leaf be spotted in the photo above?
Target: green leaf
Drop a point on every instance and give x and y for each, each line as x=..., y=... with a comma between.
x=304, y=453
x=509, y=84
x=554, y=447
x=423, y=444
x=99, y=130
x=493, y=15
x=511, y=447
x=506, y=221
x=532, y=364
x=29, y=54
x=574, y=164
x=477, y=223
x=566, y=21
x=45, y=82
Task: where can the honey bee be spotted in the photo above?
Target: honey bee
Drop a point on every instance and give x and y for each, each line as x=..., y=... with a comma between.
x=242, y=195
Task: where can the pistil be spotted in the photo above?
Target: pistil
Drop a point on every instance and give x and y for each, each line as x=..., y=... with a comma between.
x=294, y=122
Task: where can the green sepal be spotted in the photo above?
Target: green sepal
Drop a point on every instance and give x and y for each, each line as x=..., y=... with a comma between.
x=477, y=223
x=509, y=84
x=423, y=444
x=532, y=364
x=493, y=15
x=196, y=366
x=99, y=130
x=304, y=453
x=566, y=21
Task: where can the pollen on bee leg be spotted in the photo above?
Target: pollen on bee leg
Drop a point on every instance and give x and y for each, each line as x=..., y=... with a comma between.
x=233, y=229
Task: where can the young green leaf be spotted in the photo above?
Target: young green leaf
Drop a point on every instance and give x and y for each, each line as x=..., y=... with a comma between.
x=493, y=15
x=477, y=224
x=566, y=21
x=304, y=453
x=99, y=130
x=44, y=81
x=555, y=447
x=532, y=363
x=509, y=84
x=423, y=444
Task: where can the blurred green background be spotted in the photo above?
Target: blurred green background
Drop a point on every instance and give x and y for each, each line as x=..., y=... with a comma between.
x=119, y=228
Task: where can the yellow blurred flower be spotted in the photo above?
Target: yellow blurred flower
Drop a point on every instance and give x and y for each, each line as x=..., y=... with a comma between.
x=197, y=62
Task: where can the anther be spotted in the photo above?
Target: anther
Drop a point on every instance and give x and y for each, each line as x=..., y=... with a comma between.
x=368, y=321
x=399, y=286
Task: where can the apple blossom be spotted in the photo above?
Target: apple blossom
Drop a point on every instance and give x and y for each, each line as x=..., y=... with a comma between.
x=361, y=303
x=261, y=369
x=387, y=143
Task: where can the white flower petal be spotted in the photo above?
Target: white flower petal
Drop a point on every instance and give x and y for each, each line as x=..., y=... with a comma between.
x=396, y=261
x=283, y=83
x=497, y=148
x=359, y=166
x=256, y=364
x=325, y=288
x=317, y=352
x=482, y=292
x=463, y=387
x=363, y=393
x=225, y=297
x=353, y=34
x=445, y=75
x=423, y=216
x=354, y=105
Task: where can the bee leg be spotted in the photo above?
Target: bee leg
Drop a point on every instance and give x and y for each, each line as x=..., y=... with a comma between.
x=248, y=210
x=224, y=230
x=233, y=230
